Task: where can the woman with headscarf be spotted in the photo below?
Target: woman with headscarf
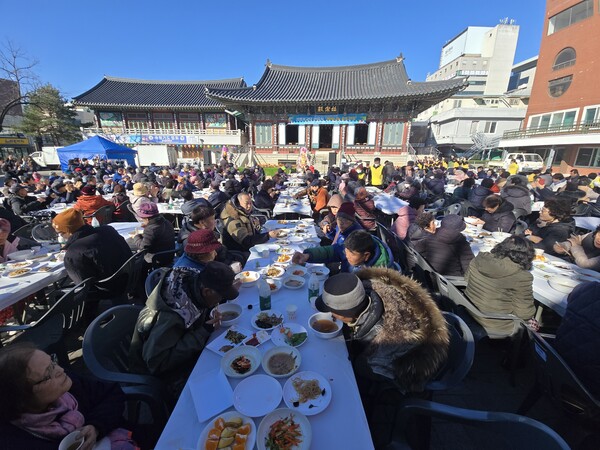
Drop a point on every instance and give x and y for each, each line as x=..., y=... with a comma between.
x=364, y=206
x=328, y=224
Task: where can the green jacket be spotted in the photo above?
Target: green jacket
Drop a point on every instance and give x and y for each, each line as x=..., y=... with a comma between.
x=161, y=344
x=335, y=253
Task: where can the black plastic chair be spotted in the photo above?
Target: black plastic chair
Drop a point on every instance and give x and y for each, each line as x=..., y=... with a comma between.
x=505, y=429
x=396, y=246
x=104, y=214
x=127, y=276
x=164, y=259
x=44, y=233
x=556, y=379
x=123, y=213
x=49, y=331
x=25, y=231
x=106, y=354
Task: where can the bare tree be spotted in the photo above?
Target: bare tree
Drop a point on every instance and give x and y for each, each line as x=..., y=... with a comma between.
x=16, y=66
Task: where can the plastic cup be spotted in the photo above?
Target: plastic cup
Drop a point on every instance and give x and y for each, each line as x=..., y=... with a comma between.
x=479, y=227
x=313, y=301
x=72, y=441
x=291, y=312
x=265, y=253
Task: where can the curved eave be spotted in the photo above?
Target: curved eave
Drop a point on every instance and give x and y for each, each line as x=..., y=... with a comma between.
x=147, y=106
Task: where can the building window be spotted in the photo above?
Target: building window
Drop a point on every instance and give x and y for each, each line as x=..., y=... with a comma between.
x=189, y=121
x=558, y=87
x=565, y=58
x=137, y=120
x=591, y=117
x=559, y=119
x=163, y=121
x=490, y=127
x=392, y=133
x=474, y=126
x=291, y=134
x=574, y=14
x=588, y=157
x=264, y=135
x=361, y=134
x=457, y=103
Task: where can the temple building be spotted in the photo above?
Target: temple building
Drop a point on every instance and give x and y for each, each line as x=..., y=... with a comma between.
x=338, y=113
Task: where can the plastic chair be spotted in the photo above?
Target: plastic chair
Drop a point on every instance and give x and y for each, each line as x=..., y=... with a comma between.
x=132, y=211
x=520, y=227
x=519, y=212
x=164, y=258
x=422, y=270
x=106, y=354
x=104, y=214
x=123, y=212
x=455, y=208
x=556, y=379
x=396, y=246
x=264, y=211
x=128, y=276
x=44, y=233
x=513, y=431
x=49, y=331
x=25, y=231
x=153, y=278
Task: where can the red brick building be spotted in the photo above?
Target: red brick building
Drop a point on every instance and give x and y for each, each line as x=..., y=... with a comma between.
x=563, y=116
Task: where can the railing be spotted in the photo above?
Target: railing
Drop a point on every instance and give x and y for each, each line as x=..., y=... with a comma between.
x=165, y=131
x=583, y=128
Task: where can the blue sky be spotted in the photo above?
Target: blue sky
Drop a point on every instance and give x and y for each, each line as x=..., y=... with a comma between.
x=78, y=42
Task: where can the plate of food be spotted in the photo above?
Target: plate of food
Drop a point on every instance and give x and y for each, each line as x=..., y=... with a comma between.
x=284, y=258
x=228, y=340
x=296, y=270
x=267, y=320
x=282, y=233
x=255, y=339
x=307, y=392
x=18, y=265
x=248, y=278
x=293, y=282
x=562, y=284
x=230, y=313
x=284, y=429
x=274, y=284
x=19, y=272
x=321, y=272
x=296, y=239
x=273, y=271
x=228, y=430
x=292, y=334
x=472, y=220
x=283, y=242
x=281, y=361
x=241, y=362
x=286, y=250
x=257, y=395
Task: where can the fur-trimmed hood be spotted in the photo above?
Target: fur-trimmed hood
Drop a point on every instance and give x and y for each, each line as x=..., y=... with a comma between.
x=411, y=342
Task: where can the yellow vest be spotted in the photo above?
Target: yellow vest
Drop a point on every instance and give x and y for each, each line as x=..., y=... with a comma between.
x=377, y=175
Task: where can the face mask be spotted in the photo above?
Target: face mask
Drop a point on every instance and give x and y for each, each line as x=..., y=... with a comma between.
x=61, y=239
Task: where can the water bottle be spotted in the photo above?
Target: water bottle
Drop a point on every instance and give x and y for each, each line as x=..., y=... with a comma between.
x=95, y=222
x=264, y=294
x=314, y=287
x=170, y=202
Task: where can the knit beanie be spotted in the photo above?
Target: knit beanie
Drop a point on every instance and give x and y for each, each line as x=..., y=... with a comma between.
x=68, y=221
x=347, y=211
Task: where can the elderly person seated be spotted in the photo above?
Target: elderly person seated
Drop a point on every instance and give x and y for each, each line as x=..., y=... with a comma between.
x=422, y=228
x=364, y=205
x=158, y=235
x=241, y=231
x=328, y=225
x=22, y=204
x=447, y=250
x=266, y=197
x=175, y=324
x=517, y=193
x=141, y=195
x=554, y=225
x=585, y=250
x=9, y=243
x=498, y=214
x=41, y=404
x=89, y=202
x=201, y=247
x=480, y=192
x=501, y=282
x=317, y=195
x=394, y=330
x=360, y=249
x=91, y=252
x=407, y=215
x=189, y=202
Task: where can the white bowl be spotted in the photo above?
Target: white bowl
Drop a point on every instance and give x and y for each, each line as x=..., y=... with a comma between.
x=248, y=278
x=500, y=236
x=274, y=282
x=296, y=270
x=324, y=316
x=21, y=255
x=321, y=272
x=286, y=350
x=228, y=308
x=273, y=268
x=284, y=259
x=563, y=284
x=296, y=282
x=252, y=353
x=471, y=220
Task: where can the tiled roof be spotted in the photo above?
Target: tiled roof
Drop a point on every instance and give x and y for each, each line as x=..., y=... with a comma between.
x=130, y=93
x=385, y=80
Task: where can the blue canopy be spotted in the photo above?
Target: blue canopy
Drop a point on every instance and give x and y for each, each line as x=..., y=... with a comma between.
x=96, y=146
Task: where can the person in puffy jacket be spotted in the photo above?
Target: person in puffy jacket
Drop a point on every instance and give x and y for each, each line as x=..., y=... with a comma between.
x=480, y=192
x=517, y=194
x=585, y=250
x=498, y=215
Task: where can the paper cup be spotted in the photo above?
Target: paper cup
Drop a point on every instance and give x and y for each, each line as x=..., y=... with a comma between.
x=479, y=227
x=291, y=312
x=72, y=441
x=312, y=302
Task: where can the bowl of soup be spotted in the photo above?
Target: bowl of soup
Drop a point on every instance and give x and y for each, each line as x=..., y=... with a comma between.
x=230, y=313
x=324, y=325
x=248, y=278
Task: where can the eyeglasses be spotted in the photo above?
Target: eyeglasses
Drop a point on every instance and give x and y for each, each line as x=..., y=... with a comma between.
x=50, y=371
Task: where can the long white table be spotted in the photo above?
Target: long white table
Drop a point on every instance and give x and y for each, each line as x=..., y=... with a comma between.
x=389, y=204
x=589, y=223
x=286, y=204
x=343, y=425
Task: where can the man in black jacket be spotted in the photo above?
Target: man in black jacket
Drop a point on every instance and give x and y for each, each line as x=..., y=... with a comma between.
x=91, y=252
x=22, y=204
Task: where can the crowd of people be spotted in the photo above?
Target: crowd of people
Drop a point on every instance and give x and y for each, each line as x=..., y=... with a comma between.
x=368, y=290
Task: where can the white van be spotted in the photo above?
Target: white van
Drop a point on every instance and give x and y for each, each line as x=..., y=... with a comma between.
x=528, y=162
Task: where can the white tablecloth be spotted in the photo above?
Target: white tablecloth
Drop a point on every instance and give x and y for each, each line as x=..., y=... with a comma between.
x=287, y=205
x=389, y=204
x=589, y=223
x=343, y=425
x=14, y=289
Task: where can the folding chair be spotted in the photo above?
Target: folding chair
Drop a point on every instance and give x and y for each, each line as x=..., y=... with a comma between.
x=153, y=278
x=44, y=233
x=128, y=276
x=104, y=214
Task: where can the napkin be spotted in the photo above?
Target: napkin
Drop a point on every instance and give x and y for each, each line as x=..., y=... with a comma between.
x=211, y=393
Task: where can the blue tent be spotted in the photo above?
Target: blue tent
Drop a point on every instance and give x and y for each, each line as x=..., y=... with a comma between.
x=96, y=146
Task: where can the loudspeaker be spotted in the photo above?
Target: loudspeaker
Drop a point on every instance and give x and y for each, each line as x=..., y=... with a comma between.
x=332, y=159
x=207, y=156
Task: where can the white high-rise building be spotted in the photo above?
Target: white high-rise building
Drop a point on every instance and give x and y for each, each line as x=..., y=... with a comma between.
x=480, y=114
